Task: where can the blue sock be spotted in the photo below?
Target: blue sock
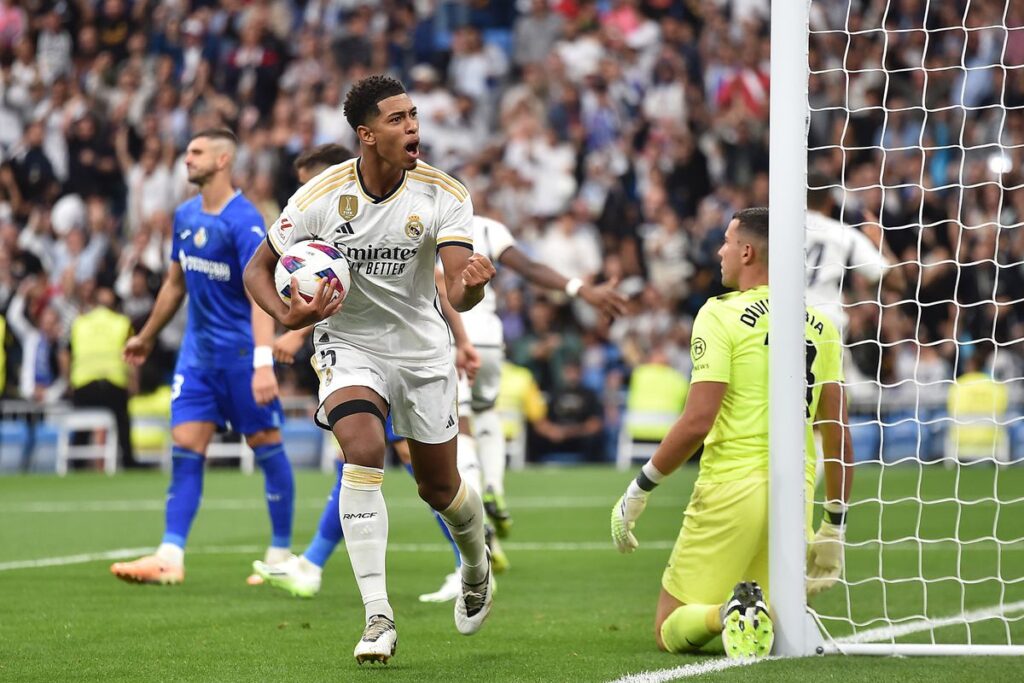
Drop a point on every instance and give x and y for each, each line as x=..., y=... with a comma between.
x=329, y=534
x=444, y=528
x=183, y=494
x=279, y=485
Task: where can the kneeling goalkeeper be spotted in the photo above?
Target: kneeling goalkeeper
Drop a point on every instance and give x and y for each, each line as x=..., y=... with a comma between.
x=723, y=544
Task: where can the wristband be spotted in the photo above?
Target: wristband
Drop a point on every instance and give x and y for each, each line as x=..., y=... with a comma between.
x=649, y=477
x=835, y=513
x=573, y=287
x=262, y=356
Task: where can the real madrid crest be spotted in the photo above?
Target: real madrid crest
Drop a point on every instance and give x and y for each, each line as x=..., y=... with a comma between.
x=201, y=238
x=348, y=206
x=413, y=227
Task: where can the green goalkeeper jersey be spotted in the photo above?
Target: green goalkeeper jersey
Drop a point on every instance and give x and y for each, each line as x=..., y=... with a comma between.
x=730, y=345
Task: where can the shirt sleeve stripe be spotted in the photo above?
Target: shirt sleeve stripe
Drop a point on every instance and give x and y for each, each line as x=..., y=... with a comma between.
x=273, y=247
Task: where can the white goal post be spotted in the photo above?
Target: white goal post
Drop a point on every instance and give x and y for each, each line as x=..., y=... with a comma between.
x=935, y=544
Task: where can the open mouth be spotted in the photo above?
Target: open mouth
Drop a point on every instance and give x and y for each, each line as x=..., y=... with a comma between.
x=413, y=149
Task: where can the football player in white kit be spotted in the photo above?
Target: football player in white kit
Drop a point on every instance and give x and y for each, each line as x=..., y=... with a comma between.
x=834, y=248
x=387, y=348
x=493, y=239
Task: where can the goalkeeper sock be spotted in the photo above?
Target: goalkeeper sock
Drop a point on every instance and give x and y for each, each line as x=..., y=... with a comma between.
x=183, y=495
x=279, y=485
x=444, y=528
x=690, y=627
x=328, y=534
x=490, y=443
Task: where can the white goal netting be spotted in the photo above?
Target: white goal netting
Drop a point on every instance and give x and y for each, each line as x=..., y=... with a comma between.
x=916, y=141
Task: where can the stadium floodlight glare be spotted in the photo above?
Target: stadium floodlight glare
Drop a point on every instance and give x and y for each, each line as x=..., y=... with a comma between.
x=905, y=107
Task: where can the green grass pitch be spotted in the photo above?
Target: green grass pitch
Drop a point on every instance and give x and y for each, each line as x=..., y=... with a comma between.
x=570, y=609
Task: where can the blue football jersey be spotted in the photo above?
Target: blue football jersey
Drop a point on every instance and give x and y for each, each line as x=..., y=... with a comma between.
x=213, y=250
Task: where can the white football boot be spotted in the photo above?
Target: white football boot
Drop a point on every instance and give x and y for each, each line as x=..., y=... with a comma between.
x=474, y=603
x=380, y=638
x=449, y=590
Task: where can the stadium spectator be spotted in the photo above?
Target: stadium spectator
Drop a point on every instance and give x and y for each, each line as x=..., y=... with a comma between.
x=574, y=421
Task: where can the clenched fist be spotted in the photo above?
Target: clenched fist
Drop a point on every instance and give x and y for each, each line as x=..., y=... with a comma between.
x=478, y=271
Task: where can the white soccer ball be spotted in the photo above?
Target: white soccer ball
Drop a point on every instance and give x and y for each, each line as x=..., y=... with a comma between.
x=309, y=262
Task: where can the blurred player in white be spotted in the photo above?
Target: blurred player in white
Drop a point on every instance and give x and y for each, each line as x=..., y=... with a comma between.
x=834, y=250
x=387, y=350
x=493, y=239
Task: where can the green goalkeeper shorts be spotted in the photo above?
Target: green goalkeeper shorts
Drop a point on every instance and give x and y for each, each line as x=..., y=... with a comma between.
x=723, y=540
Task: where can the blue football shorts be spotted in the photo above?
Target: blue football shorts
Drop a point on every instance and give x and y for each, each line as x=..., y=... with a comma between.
x=221, y=396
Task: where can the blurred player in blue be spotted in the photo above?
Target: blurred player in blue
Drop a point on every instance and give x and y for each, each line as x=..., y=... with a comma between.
x=225, y=372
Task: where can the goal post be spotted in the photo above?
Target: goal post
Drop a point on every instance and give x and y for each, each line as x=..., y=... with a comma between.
x=913, y=112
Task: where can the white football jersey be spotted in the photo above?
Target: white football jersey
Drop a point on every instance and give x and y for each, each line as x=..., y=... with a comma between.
x=391, y=309
x=833, y=248
x=483, y=326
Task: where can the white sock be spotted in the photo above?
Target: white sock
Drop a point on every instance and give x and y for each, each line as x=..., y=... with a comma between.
x=468, y=461
x=275, y=555
x=490, y=443
x=364, y=520
x=465, y=520
x=171, y=554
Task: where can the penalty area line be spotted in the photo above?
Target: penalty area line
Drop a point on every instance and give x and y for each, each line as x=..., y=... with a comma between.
x=706, y=666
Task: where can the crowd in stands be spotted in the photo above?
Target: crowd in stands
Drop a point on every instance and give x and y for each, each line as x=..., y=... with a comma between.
x=614, y=137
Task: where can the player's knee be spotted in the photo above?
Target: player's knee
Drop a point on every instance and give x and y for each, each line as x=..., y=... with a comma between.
x=264, y=437
x=365, y=452
x=437, y=494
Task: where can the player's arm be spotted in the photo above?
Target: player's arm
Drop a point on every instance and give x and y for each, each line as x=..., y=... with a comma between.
x=264, y=381
x=825, y=553
x=465, y=275
x=168, y=301
x=678, y=446
x=289, y=343
x=297, y=313
x=467, y=359
x=603, y=297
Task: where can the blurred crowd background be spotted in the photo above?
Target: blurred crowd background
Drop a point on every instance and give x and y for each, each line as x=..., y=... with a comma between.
x=615, y=138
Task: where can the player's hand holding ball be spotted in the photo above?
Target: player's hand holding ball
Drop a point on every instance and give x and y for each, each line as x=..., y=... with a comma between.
x=325, y=303
x=478, y=272
x=624, y=515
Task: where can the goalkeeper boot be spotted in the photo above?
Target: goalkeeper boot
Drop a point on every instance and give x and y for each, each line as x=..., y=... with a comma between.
x=296, y=575
x=499, y=560
x=747, y=629
x=474, y=602
x=497, y=511
x=149, y=569
x=380, y=638
x=272, y=556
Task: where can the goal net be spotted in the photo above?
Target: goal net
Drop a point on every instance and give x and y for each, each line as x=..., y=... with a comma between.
x=916, y=142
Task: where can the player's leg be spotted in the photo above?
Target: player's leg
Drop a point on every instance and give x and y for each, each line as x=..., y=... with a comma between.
x=194, y=417
x=260, y=424
x=724, y=529
x=356, y=415
x=490, y=439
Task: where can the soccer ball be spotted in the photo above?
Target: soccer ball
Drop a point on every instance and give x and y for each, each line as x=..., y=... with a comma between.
x=309, y=262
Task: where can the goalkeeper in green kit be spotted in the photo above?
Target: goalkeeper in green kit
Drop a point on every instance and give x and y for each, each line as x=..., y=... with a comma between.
x=722, y=550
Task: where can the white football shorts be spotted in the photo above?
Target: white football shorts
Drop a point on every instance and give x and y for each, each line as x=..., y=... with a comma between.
x=484, y=390
x=422, y=397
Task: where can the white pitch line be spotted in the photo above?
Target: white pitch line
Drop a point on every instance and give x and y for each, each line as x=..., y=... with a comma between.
x=121, y=553
x=888, y=633
x=256, y=503
x=706, y=666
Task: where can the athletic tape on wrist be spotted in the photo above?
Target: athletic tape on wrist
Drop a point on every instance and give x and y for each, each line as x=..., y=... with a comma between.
x=262, y=356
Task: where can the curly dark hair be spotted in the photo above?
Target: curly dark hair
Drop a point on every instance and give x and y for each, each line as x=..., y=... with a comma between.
x=361, y=101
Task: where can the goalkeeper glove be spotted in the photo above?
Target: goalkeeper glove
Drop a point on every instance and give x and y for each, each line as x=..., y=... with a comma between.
x=630, y=506
x=825, y=554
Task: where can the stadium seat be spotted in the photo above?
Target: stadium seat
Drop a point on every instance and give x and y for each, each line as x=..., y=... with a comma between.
x=86, y=420
x=303, y=441
x=867, y=438
x=903, y=437
x=13, y=439
x=635, y=424
x=225, y=446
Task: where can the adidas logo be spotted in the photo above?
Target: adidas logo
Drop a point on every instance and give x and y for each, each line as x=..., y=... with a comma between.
x=324, y=337
x=451, y=422
x=346, y=229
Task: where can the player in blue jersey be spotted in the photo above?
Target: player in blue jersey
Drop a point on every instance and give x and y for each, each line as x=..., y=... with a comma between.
x=225, y=372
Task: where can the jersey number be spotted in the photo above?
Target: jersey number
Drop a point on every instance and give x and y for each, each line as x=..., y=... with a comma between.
x=329, y=354
x=814, y=255
x=809, y=357
x=176, y=387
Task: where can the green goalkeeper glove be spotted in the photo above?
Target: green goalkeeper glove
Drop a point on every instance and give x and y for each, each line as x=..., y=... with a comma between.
x=825, y=553
x=624, y=515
